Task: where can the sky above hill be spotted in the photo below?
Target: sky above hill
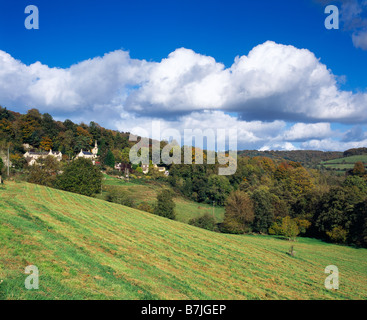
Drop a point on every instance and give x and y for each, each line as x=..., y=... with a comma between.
x=269, y=68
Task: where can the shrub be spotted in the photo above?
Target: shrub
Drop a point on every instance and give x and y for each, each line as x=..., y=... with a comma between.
x=205, y=221
x=239, y=213
x=80, y=176
x=118, y=196
x=165, y=206
x=337, y=234
x=144, y=206
x=286, y=227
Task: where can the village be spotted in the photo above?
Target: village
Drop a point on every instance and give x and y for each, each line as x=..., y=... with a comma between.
x=32, y=157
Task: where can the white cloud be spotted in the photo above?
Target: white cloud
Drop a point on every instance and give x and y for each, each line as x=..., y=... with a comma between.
x=250, y=134
x=306, y=131
x=258, y=94
x=332, y=145
x=360, y=40
x=273, y=82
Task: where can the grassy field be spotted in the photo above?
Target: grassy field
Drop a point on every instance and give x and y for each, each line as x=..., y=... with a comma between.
x=87, y=248
x=142, y=191
x=344, y=164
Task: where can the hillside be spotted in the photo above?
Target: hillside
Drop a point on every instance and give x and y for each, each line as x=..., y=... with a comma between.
x=87, y=248
x=143, y=192
x=308, y=158
x=345, y=163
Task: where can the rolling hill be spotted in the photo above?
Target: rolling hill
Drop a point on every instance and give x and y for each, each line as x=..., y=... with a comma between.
x=141, y=191
x=344, y=164
x=87, y=248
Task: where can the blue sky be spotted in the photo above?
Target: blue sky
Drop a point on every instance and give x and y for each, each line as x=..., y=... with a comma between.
x=200, y=41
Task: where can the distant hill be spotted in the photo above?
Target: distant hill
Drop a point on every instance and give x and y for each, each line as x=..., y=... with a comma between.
x=308, y=158
x=87, y=248
x=345, y=163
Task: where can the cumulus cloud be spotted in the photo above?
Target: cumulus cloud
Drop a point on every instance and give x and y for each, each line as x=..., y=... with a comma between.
x=250, y=134
x=332, y=145
x=306, y=131
x=272, y=85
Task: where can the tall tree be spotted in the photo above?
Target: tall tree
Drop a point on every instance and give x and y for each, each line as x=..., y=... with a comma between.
x=109, y=159
x=239, y=212
x=165, y=206
x=80, y=176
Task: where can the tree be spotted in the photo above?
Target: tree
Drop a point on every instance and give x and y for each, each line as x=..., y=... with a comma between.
x=286, y=227
x=338, y=234
x=18, y=161
x=110, y=159
x=80, y=176
x=116, y=195
x=205, y=221
x=44, y=172
x=239, y=212
x=46, y=143
x=359, y=169
x=261, y=198
x=218, y=189
x=1, y=167
x=165, y=206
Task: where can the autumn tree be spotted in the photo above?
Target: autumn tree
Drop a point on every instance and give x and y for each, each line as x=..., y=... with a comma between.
x=44, y=172
x=239, y=212
x=46, y=144
x=359, y=169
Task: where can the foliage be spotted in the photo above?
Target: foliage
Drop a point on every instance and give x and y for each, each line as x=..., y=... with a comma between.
x=44, y=172
x=80, y=176
x=144, y=206
x=359, y=169
x=286, y=227
x=337, y=234
x=116, y=195
x=109, y=159
x=205, y=221
x=17, y=161
x=239, y=212
x=263, y=219
x=165, y=205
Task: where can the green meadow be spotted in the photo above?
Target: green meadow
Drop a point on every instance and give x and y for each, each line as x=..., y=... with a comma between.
x=344, y=164
x=141, y=190
x=87, y=248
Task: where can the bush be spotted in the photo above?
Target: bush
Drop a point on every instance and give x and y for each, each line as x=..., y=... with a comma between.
x=205, y=221
x=44, y=172
x=144, y=206
x=80, y=176
x=337, y=234
x=239, y=213
x=165, y=206
x=118, y=196
x=286, y=227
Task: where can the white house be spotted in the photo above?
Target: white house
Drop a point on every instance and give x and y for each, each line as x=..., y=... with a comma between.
x=32, y=157
x=92, y=155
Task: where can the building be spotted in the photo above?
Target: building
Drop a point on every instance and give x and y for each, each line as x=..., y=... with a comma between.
x=92, y=154
x=32, y=157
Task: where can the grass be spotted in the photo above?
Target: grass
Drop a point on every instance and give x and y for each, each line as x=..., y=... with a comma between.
x=141, y=190
x=344, y=164
x=87, y=248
